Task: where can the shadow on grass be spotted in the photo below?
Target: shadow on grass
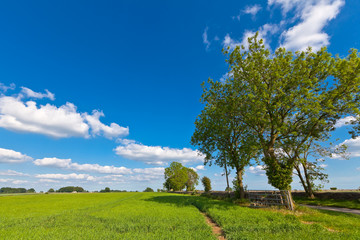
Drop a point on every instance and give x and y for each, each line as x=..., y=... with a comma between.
x=202, y=203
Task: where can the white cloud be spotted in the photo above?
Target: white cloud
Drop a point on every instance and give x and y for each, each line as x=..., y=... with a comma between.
x=287, y=5
x=59, y=122
x=31, y=94
x=19, y=181
x=358, y=169
x=229, y=42
x=258, y=170
x=159, y=171
x=2, y=180
x=323, y=165
x=11, y=156
x=12, y=181
x=314, y=16
x=264, y=31
x=47, y=119
x=68, y=164
x=353, y=147
x=157, y=155
x=253, y=10
x=12, y=173
x=344, y=121
x=48, y=181
x=199, y=167
x=4, y=88
x=72, y=176
x=98, y=128
x=205, y=38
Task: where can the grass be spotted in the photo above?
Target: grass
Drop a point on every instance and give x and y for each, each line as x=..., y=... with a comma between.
x=247, y=223
x=161, y=216
x=355, y=204
x=98, y=216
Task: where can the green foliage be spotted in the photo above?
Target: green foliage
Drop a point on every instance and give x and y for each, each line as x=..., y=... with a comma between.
x=192, y=181
x=71, y=189
x=176, y=177
x=206, y=183
x=280, y=101
x=51, y=190
x=333, y=188
x=12, y=190
x=31, y=190
x=148, y=190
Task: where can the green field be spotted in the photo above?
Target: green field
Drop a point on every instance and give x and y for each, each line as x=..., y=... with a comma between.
x=160, y=216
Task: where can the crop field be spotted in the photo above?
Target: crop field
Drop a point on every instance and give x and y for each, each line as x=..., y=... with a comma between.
x=160, y=216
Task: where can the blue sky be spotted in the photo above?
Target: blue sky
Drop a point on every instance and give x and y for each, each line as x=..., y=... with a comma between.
x=102, y=94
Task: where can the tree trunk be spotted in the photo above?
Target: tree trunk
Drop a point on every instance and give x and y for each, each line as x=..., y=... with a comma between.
x=239, y=175
x=227, y=179
x=310, y=192
x=301, y=178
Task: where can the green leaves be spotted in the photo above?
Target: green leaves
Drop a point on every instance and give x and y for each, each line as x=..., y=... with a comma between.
x=275, y=101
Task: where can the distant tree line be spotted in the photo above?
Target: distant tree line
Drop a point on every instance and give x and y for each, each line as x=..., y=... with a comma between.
x=71, y=189
x=16, y=190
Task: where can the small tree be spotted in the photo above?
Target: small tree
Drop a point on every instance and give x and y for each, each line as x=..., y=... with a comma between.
x=207, y=184
x=148, y=189
x=31, y=190
x=107, y=189
x=193, y=180
x=51, y=190
x=176, y=176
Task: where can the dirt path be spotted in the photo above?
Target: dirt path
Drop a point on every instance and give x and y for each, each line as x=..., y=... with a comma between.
x=217, y=231
x=336, y=209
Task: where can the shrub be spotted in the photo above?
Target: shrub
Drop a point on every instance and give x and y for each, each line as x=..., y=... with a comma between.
x=333, y=188
x=207, y=184
x=148, y=190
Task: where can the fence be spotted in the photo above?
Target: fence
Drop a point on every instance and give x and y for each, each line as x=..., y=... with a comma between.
x=264, y=198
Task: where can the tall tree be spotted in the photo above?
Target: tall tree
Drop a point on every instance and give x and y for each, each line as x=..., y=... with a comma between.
x=286, y=98
x=220, y=136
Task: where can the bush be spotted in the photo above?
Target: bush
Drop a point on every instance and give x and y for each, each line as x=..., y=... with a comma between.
x=333, y=188
x=51, y=190
x=207, y=184
x=148, y=190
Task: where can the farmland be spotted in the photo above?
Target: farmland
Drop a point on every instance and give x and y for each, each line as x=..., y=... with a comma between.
x=160, y=216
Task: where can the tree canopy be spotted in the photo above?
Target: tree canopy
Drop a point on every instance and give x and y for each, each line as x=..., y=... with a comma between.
x=275, y=103
x=177, y=177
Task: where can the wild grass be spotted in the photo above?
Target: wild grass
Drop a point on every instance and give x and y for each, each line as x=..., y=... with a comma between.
x=161, y=216
x=355, y=204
